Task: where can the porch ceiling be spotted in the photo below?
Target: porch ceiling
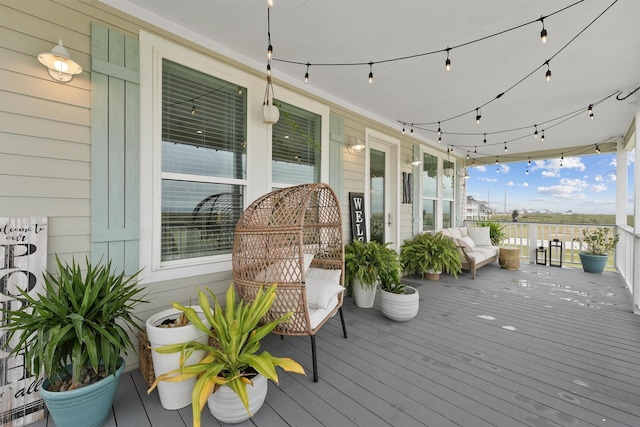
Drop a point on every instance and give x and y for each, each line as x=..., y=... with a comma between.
x=603, y=58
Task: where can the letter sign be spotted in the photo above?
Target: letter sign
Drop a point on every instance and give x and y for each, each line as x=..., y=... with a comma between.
x=358, y=218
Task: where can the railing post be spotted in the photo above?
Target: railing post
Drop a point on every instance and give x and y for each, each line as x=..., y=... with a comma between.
x=533, y=242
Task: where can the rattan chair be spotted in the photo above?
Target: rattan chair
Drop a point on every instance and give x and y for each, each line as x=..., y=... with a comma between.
x=276, y=238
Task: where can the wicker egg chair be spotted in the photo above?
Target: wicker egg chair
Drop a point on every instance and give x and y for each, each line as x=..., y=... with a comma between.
x=277, y=238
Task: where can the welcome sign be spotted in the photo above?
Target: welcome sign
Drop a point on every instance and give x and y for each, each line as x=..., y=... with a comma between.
x=23, y=258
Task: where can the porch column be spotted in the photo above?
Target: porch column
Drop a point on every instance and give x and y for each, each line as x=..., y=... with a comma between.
x=636, y=215
x=621, y=184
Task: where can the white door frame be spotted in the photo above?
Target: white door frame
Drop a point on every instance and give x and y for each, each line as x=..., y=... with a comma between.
x=391, y=146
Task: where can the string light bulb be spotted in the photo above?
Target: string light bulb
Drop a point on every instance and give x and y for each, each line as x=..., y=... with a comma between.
x=269, y=69
x=439, y=140
x=447, y=63
x=475, y=151
x=478, y=115
x=193, y=108
x=542, y=136
x=270, y=4
x=306, y=75
x=485, y=139
x=370, y=72
x=403, y=126
x=543, y=33
x=528, y=166
x=535, y=133
x=561, y=159
x=548, y=73
x=497, y=164
x=439, y=130
x=505, y=146
x=411, y=131
x=468, y=155
x=597, y=149
x=269, y=51
x=591, y=111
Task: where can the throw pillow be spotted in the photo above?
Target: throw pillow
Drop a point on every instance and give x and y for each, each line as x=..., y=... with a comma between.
x=327, y=274
x=480, y=236
x=468, y=241
x=321, y=292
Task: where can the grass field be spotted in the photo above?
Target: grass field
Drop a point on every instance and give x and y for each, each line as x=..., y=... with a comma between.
x=557, y=218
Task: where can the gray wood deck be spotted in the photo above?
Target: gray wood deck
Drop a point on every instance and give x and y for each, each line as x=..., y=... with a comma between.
x=543, y=346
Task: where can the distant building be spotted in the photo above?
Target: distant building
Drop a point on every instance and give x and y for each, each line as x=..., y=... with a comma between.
x=477, y=210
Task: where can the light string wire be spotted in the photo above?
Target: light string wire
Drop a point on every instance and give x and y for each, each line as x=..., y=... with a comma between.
x=433, y=52
x=545, y=63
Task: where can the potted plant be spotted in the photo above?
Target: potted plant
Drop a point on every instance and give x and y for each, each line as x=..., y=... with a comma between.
x=79, y=320
x=430, y=254
x=595, y=247
x=232, y=375
x=171, y=326
x=398, y=302
x=362, y=261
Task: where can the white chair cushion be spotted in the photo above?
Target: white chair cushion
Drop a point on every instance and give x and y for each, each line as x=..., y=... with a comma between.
x=317, y=315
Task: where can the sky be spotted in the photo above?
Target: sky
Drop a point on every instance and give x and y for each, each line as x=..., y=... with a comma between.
x=582, y=184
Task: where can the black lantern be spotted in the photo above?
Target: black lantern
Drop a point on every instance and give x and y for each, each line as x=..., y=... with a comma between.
x=555, y=253
x=541, y=255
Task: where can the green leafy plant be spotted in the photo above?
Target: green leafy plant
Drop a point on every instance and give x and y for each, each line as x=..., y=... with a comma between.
x=598, y=241
x=389, y=270
x=233, y=357
x=78, y=319
x=362, y=261
x=427, y=252
x=496, y=231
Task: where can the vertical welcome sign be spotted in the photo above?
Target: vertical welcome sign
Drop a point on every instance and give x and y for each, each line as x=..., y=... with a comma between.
x=358, y=223
x=23, y=258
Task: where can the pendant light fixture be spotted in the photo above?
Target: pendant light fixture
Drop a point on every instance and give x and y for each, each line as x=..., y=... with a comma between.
x=61, y=67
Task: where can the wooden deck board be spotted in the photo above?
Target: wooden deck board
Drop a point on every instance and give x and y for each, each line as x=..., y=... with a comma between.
x=570, y=357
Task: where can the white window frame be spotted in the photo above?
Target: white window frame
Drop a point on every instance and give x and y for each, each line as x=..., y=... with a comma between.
x=258, y=175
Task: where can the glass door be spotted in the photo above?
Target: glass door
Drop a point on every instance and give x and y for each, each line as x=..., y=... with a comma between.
x=378, y=184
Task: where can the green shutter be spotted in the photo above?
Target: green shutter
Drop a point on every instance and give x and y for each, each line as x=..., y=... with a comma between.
x=336, y=155
x=115, y=148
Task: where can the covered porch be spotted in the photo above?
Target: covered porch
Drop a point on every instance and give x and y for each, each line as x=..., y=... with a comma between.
x=542, y=346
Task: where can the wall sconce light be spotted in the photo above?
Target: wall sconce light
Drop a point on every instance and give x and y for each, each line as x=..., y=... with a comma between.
x=356, y=147
x=61, y=67
x=415, y=162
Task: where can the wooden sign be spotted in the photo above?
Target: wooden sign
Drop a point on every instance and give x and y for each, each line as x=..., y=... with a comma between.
x=358, y=218
x=23, y=258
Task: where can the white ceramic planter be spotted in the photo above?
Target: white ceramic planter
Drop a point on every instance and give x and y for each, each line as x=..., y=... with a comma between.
x=400, y=307
x=173, y=395
x=364, y=296
x=227, y=407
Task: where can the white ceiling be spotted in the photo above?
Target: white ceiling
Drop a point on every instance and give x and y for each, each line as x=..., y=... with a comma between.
x=603, y=59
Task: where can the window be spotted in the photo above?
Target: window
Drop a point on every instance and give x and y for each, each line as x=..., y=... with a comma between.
x=295, y=142
x=203, y=162
x=429, y=191
x=448, y=193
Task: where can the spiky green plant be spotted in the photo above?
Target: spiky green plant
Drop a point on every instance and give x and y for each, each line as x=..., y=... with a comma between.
x=77, y=320
x=237, y=332
x=496, y=231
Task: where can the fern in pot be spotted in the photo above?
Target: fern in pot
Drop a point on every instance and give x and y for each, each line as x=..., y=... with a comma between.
x=430, y=254
x=398, y=301
x=363, y=261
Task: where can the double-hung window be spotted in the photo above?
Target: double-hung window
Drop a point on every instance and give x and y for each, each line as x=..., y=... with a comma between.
x=429, y=191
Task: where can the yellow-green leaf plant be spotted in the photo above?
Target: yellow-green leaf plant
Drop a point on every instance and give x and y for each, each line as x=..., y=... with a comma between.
x=236, y=333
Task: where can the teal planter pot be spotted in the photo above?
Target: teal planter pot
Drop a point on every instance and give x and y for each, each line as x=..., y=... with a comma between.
x=87, y=406
x=593, y=263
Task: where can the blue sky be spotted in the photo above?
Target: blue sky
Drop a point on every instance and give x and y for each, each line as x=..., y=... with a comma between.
x=582, y=184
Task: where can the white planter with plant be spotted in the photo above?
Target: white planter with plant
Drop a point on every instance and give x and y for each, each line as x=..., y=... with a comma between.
x=362, y=262
x=397, y=301
x=233, y=359
x=171, y=327
x=77, y=330
x=430, y=253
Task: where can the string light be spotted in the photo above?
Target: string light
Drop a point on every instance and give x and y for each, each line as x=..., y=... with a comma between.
x=597, y=149
x=561, y=159
x=468, y=155
x=193, y=108
x=370, y=72
x=269, y=69
x=403, y=125
x=447, y=63
x=485, y=139
x=473, y=162
x=270, y=4
x=528, y=166
x=505, y=146
x=439, y=130
x=478, y=115
x=497, y=165
x=548, y=73
x=411, y=129
x=543, y=33
x=306, y=75
x=542, y=136
x=439, y=140
x=590, y=111
x=269, y=52
x=475, y=151
x=535, y=134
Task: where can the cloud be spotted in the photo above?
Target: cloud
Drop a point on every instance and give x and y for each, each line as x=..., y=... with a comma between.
x=577, y=183
x=562, y=192
x=481, y=168
x=487, y=179
x=504, y=168
x=510, y=184
x=551, y=168
x=630, y=159
x=599, y=178
x=524, y=184
x=610, y=177
x=597, y=188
